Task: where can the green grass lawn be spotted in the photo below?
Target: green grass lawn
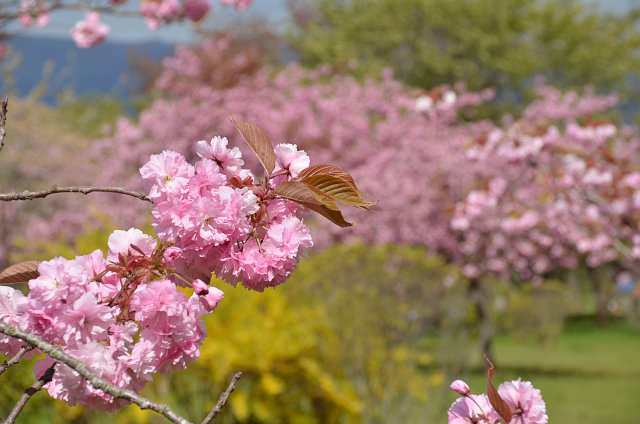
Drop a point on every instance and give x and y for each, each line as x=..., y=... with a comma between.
x=590, y=374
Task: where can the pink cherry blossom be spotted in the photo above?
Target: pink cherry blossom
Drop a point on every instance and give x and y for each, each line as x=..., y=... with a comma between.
x=525, y=402
x=121, y=316
x=13, y=307
x=121, y=242
x=70, y=387
x=472, y=409
x=90, y=31
x=289, y=158
x=166, y=174
x=229, y=160
x=207, y=295
x=85, y=320
x=171, y=254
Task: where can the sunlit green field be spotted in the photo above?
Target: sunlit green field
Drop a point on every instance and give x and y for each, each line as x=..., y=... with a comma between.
x=590, y=374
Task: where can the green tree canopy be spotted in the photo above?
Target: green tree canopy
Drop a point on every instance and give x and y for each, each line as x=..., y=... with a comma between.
x=485, y=43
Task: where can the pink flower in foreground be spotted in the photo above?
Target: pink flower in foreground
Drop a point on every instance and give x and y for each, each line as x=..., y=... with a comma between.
x=86, y=320
x=525, y=402
x=89, y=32
x=284, y=239
x=166, y=175
x=70, y=387
x=207, y=295
x=229, y=160
x=171, y=254
x=472, y=409
x=125, y=329
x=121, y=242
x=13, y=305
x=289, y=158
x=153, y=303
x=460, y=387
x=269, y=264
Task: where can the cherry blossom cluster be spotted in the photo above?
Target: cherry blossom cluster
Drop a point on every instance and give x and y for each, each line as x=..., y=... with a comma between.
x=124, y=316
x=91, y=31
x=560, y=191
x=523, y=400
x=120, y=315
x=219, y=218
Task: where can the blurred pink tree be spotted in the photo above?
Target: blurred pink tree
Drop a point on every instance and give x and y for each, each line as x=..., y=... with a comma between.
x=523, y=198
x=90, y=31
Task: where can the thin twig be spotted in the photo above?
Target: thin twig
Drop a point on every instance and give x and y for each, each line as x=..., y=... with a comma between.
x=17, y=357
x=223, y=399
x=83, y=370
x=35, y=388
x=3, y=120
x=30, y=195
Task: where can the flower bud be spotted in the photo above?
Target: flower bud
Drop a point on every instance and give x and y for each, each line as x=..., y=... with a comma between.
x=209, y=296
x=460, y=387
x=200, y=287
x=171, y=254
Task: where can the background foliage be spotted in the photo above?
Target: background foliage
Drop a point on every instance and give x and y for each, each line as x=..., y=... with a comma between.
x=486, y=43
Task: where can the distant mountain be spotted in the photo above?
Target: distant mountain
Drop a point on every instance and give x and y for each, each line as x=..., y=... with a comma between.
x=102, y=69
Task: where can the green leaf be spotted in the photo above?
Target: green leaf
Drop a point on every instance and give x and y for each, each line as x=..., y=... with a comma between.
x=260, y=143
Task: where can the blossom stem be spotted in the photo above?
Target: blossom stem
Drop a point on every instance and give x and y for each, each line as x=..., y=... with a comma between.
x=478, y=405
x=277, y=174
x=180, y=276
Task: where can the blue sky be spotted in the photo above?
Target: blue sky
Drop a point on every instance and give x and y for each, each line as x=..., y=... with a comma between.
x=125, y=29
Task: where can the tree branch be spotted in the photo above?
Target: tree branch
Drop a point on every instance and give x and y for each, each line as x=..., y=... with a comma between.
x=107, y=387
x=30, y=195
x=223, y=399
x=57, y=6
x=97, y=382
x=18, y=356
x=35, y=387
x=3, y=120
